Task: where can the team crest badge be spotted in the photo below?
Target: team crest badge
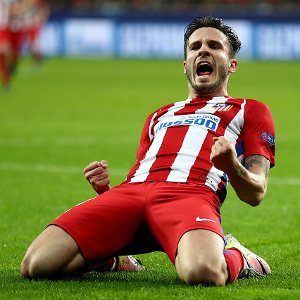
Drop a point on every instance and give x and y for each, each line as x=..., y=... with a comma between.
x=222, y=107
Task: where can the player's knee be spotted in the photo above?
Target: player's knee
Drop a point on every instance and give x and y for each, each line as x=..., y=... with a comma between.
x=203, y=273
x=31, y=268
x=26, y=267
x=35, y=266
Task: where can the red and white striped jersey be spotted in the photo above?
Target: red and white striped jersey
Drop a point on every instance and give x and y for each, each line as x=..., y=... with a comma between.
x=12, y=15
x=5, y=13
x=176, y=140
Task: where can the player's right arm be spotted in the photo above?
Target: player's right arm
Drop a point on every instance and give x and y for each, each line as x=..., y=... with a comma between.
x=97, y=175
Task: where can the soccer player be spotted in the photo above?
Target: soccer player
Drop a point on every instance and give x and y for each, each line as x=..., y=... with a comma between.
x=171, y=198
x=10, y=39
x=12, y=30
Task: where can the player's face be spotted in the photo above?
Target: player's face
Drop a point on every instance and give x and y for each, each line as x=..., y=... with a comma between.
x=207, y=64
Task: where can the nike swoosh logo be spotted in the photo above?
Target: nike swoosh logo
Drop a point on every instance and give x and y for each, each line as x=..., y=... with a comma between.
x=198, y=219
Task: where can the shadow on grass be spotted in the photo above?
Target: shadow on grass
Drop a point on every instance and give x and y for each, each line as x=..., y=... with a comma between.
x=165, y=277
x=11, y=277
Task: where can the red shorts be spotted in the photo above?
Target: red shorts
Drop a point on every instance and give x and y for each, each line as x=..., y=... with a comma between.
x=136, y=218
x=14, y=39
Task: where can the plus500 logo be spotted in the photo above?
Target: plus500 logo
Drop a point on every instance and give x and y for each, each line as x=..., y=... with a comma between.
x=205, y=121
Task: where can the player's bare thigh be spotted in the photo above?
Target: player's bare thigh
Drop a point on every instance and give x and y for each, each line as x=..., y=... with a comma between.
x=54, y=253
x=200, y=258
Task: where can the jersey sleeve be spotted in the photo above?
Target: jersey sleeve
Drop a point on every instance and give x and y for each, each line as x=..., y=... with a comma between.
x=259, y=131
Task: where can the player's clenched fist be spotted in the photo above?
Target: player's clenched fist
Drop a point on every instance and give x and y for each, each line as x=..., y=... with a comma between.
x=97, y=175
x=223, y=155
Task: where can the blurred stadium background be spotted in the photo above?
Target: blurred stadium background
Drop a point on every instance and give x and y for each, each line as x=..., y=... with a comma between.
x=269, y=29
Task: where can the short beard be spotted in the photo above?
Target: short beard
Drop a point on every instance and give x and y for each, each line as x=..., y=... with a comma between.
x=209, y=88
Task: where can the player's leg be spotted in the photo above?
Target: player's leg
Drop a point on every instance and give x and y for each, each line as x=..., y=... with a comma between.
x=17, y=40
x=5, y=53
x=187, y=225
x=4, y=67
x=126, y=263
x=54, y=253
x=250, y=264
x=200, y=258
x=34, y=45
x=87, y=235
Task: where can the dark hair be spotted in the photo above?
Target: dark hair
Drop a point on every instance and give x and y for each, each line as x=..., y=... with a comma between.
x=209, y=21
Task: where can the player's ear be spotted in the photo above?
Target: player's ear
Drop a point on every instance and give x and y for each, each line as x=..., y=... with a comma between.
x=184, y=67
x=232, y=65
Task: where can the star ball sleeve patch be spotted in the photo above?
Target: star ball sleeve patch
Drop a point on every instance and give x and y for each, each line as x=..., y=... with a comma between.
x=268, y=138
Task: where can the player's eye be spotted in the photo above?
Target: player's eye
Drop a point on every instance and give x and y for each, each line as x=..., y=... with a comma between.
x=195, y=46
x=215, y=46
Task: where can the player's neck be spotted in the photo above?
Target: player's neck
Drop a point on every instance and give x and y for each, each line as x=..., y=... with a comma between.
x=207, y=95
x=220, y=92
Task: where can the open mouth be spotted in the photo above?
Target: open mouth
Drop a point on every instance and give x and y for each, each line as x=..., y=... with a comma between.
x=204, y=69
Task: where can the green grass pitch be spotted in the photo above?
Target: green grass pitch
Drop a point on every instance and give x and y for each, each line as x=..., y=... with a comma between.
x=73, y=111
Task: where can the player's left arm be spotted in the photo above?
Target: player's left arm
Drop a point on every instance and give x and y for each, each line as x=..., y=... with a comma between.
x=249, y=180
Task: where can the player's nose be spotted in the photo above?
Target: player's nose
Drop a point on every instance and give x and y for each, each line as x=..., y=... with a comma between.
x=204, y=51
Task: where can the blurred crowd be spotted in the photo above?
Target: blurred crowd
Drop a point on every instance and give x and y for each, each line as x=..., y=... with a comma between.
x=177, y=6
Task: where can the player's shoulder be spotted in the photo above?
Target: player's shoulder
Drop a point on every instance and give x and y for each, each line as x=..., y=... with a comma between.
x=251, y=102
x=255, y=109
x=162, y=110
x=257, y=105
x=165, y=107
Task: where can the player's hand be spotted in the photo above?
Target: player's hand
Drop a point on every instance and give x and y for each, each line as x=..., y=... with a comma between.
x=223, y=155
x=97, y=175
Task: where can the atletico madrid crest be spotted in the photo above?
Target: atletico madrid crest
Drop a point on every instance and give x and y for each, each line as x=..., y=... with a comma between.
x=222, y=107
